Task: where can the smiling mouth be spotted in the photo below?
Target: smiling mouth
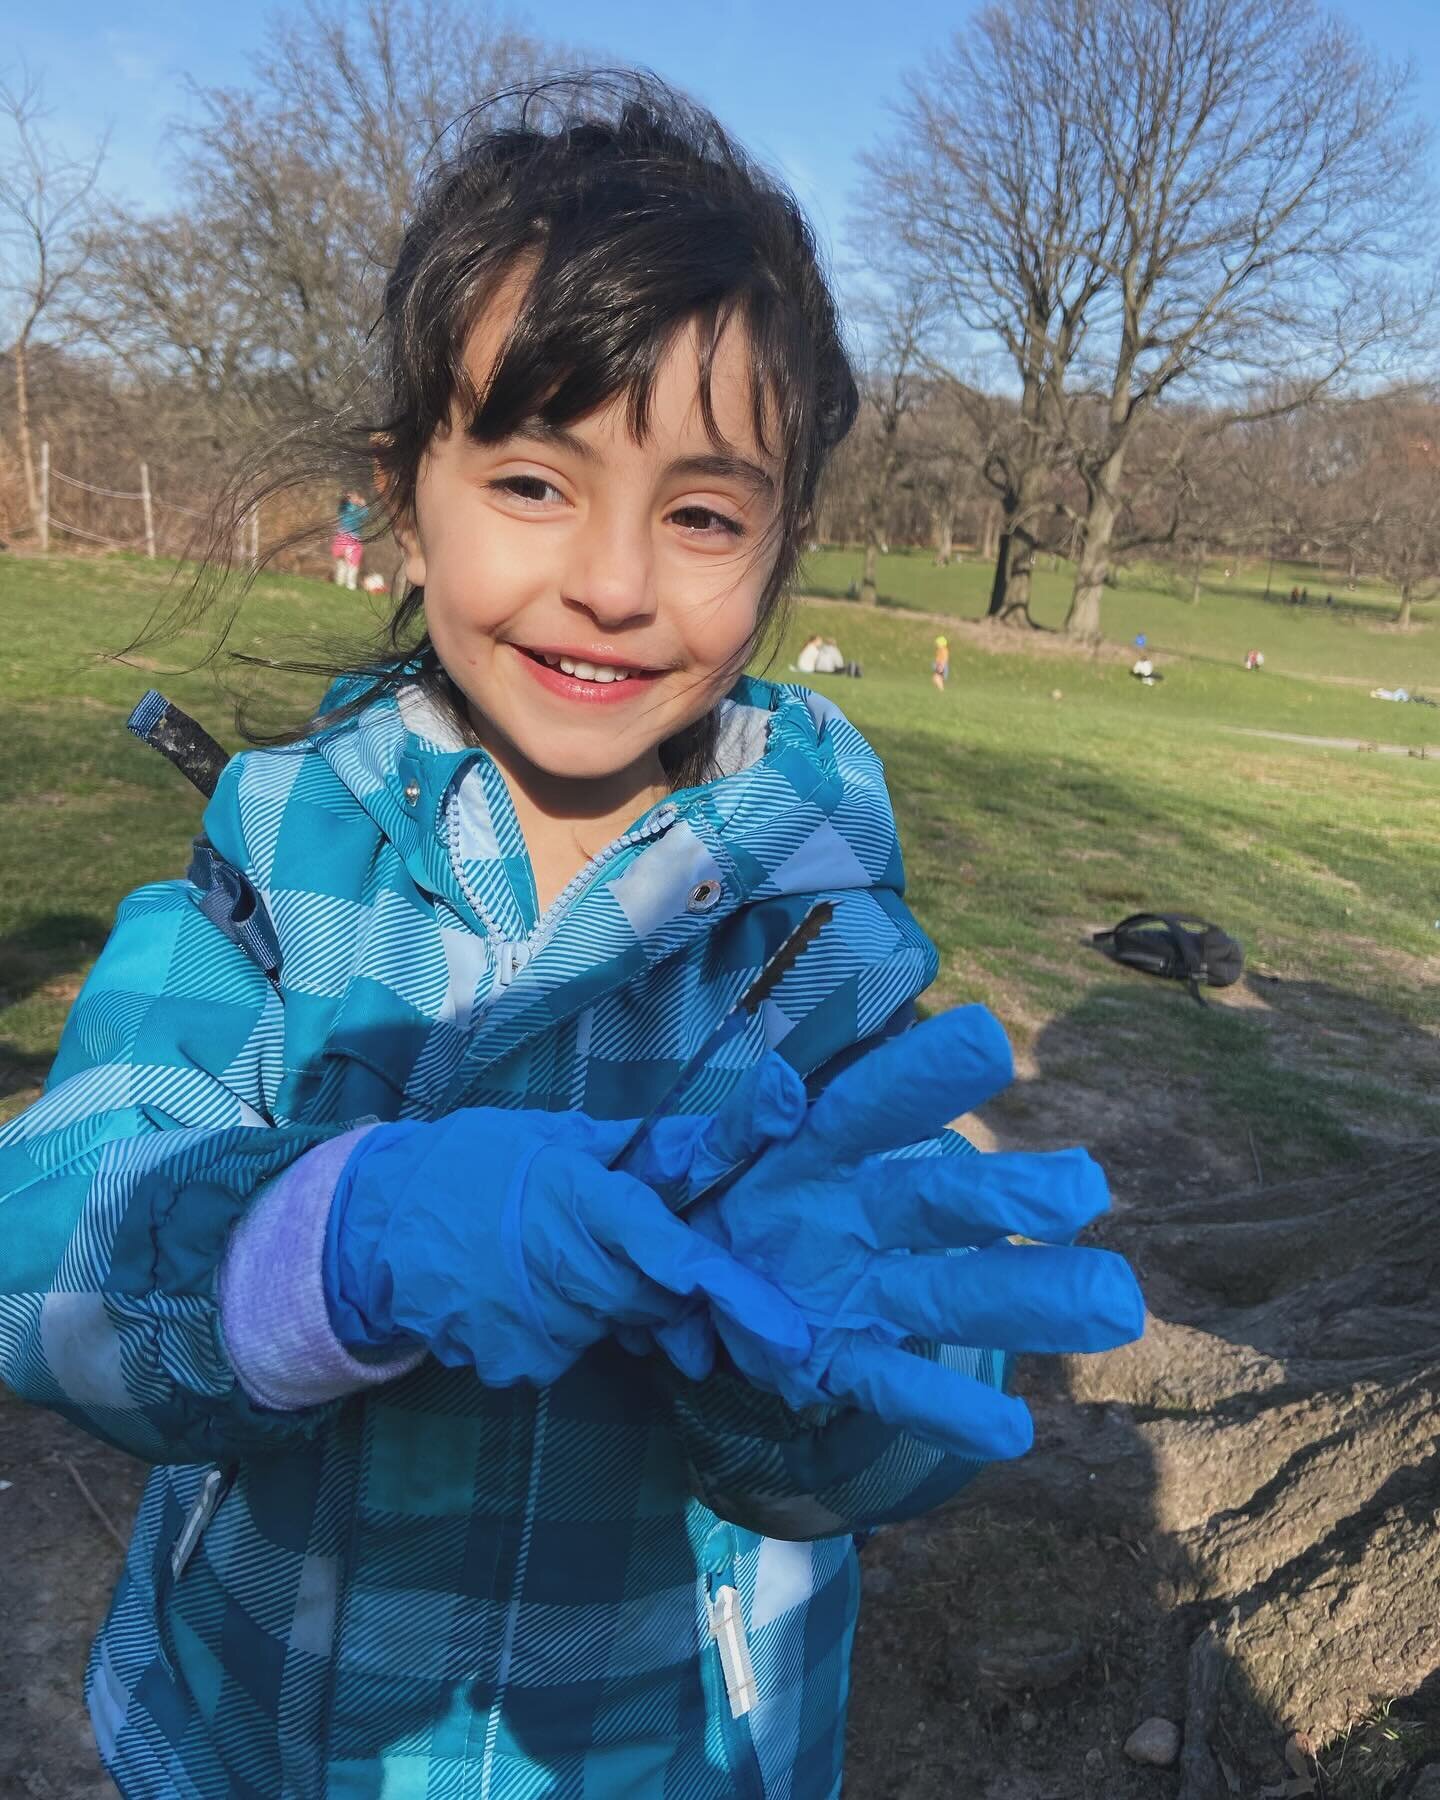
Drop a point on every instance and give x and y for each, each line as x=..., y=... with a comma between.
x=581, y=669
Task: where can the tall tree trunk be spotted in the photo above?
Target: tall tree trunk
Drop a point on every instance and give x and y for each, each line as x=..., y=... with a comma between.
x=990, y=532
x=1015, y=554
x=877, y=515
x=868, y=594
x=1010, y=588
x=20, y=354
x=1195, y=575
x=1083, y=619
x=944, y=533
x=1402, y=618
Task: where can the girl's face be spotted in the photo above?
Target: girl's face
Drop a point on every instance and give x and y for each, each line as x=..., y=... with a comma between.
x=590, y=595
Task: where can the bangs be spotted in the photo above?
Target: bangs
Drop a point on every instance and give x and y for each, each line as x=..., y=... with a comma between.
x=603, y=244
x=584, y=336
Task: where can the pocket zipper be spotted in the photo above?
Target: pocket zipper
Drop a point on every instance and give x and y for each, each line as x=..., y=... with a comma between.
x=203, y=1508
x=727, y=1627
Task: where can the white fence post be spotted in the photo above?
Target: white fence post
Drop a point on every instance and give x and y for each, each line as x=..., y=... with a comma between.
x=44, y=520
x=149, y=511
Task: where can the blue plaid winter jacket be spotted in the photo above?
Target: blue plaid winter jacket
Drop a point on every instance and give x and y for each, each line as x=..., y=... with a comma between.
x=433, y=1588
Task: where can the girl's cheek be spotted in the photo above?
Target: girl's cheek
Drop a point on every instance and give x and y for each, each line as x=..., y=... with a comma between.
x=732, y=629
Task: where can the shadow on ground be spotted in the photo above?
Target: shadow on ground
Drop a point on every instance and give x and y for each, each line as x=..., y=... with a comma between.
x=47, y=954
x=1271, y=1448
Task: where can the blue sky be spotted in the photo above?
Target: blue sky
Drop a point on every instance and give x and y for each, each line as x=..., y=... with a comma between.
x=804, y=82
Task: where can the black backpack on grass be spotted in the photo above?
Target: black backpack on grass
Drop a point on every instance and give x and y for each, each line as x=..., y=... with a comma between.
x=1175, y=945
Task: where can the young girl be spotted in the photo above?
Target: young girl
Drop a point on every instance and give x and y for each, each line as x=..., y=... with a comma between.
x=940, y=668
x=347, y=549
x=487, y=1467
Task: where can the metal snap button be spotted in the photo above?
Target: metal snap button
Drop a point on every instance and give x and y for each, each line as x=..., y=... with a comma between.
x=704, y=896
x=412, y=792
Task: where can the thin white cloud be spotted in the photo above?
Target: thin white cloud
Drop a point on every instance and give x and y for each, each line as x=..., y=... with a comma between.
x=130, y=60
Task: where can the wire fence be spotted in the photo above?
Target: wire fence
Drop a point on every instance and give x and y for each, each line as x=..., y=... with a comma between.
x=247, y=536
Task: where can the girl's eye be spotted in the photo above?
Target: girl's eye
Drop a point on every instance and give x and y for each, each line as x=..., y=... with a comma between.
x=530, y=488
x=704, y=521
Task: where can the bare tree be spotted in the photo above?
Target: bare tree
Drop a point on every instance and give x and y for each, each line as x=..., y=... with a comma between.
x=991, y=191
x=944, y=459
x=890, y=391
x=260, y=286
x=1147, y=200
x=1269, y=188
x=46, y=200
x=1386, y=502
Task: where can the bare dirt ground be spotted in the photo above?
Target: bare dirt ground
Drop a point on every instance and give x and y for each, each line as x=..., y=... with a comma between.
x=1235, y=1526
x=1011, y=1642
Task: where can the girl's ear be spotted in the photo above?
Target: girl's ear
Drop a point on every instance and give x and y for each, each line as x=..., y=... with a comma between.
x=403, y=530
x=408, y=538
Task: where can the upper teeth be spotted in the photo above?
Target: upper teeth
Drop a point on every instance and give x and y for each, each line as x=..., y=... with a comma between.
x=586, y=671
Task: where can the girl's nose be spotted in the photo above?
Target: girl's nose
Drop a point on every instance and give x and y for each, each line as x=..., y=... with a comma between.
x=612, y=573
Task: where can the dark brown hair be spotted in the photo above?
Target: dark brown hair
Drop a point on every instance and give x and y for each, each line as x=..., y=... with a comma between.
x=634, y=215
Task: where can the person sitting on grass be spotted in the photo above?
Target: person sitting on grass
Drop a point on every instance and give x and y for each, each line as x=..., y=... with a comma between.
x=808, y=661
x=497, y=1450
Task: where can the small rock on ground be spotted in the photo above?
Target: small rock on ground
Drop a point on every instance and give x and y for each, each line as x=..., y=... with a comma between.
x=876, y=1582
x=1029, y=1659
x=1156, y=1742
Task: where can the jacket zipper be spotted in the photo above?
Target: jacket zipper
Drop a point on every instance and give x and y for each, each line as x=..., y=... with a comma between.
x=512, y=956
x=727, y=1627
x=203, y=1508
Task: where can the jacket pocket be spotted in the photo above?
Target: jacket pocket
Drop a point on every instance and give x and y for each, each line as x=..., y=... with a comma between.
x=215, y=1484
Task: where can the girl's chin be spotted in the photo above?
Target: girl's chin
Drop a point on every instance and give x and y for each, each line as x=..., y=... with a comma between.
x=588, y=755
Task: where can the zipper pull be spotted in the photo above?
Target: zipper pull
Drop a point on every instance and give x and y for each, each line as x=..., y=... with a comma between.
x=203, y=1508
x=510, y=959
x=727, y=1627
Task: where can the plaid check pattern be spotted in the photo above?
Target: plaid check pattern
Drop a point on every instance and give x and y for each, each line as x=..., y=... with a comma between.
x=434, y=1588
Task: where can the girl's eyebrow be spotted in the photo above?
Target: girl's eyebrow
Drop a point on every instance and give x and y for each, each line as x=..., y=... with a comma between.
x=718, y=465
x=723, y=467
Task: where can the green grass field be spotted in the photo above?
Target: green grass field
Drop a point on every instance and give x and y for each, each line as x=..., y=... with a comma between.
x=1028, y=821
x=1353, y=642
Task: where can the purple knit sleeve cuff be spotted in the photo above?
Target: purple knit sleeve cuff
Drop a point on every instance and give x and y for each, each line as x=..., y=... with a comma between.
x=272, y=1292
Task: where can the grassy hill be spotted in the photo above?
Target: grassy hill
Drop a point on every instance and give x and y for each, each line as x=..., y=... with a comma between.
x=1355, y=640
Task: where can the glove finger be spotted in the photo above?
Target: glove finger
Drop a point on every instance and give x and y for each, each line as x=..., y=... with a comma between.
x=626, y=1218
x=949, y=1202
x=911, y=1086
x=661, y=1158
x=692, y=1152
x=689, y=1342
x=1009, y=1297
x=954, y=1411
x=767, y=1108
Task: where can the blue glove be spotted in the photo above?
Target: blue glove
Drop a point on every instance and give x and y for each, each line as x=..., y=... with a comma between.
x=852, y=1211
x=501, y=1241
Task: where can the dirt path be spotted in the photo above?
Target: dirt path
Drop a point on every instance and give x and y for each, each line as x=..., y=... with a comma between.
x=1421, y=752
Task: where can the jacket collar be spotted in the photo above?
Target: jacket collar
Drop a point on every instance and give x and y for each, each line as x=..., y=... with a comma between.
x=800, y=796
x=799, y=808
